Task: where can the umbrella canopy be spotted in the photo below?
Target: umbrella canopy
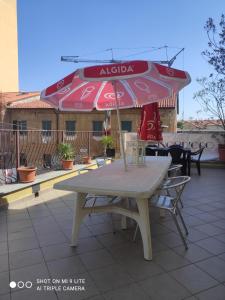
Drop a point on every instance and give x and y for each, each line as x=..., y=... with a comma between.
x=137, y=83
x=150, y=128
x=115, y=86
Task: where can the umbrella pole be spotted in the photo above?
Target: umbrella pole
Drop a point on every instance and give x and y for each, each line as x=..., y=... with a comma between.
x=119, y=125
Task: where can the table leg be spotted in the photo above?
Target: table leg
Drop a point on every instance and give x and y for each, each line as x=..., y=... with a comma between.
x=144, y=226
x=189, y=163
x=124, y=218
x=79, y=214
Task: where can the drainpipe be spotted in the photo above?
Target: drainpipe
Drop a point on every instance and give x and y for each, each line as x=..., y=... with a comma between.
x=57, y=126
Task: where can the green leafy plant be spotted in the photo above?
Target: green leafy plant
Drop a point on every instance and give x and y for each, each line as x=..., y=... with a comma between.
x=66, y=151
x=107, y=141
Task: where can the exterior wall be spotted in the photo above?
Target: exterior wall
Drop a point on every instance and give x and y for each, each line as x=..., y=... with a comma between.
x=169, y=118
x=193, y=140
x=9, y=46
x=33, y=117
x=84, y=120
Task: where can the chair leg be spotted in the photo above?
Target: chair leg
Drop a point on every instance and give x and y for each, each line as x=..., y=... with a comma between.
x=182, y=220
x=180, y=232
x=181, y=203
x=114, y=228
x=198, y=168
x=135, y=233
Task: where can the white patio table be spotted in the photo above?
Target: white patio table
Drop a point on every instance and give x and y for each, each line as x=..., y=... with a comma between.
x=138, y=183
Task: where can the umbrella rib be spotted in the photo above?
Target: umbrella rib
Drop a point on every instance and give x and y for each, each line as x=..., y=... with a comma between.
x=164, y=84
x=99, y=93
x=129, y=91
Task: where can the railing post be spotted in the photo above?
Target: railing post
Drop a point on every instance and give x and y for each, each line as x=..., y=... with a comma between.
x=17, y=149
x=89, y=143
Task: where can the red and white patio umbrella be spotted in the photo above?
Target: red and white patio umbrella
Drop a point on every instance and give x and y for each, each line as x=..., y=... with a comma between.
x=115, y=86
x=150, y=127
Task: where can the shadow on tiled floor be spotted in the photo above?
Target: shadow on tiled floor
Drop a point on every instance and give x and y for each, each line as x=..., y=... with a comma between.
x=35, y=244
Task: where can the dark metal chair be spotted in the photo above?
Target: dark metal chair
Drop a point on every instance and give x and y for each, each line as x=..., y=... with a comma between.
x=196, y=158
x=150, y=152
x=179, y=156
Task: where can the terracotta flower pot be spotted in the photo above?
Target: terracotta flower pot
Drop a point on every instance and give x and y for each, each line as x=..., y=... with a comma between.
x=26, y=174
x=87, y=160
x=67, y=164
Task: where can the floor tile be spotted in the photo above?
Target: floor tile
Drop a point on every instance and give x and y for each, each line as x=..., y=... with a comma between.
x=23, y=244
x=196, y=235
x=5, y=297
x=22, y=259
x=110, y=278
x=212, y=245
x=141, y=269
x=34, y=295
x=90, y=290
x=97, y=259
x=51, y=239
x=171, y=239
x=193, y=279
x=163, y=287
x=3, y=248
x=4, y=266
x=29, y=273
x=54, y=252
x=129, y=292
x=215, y=293
x=209, y=229
x=18, y=225
x=169, y=260
x=64, y=267
x=4, y=283
x=110, y=239
x=194, y=253
x=215, y=267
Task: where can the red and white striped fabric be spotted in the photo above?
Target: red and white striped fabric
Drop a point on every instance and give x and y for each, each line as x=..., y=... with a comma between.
x=137, y=83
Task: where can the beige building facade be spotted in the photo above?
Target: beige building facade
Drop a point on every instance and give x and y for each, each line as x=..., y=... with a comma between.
x=9, y=46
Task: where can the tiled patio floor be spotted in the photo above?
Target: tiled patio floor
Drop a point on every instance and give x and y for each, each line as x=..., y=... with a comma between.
x=35, y=244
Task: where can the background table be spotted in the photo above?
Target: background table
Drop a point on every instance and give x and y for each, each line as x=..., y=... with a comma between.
x=138, y=183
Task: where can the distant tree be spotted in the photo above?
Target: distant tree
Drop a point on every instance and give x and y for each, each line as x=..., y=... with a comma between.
x=212, y=95
x=216, y=42
x=180, y=124
x=212, y=98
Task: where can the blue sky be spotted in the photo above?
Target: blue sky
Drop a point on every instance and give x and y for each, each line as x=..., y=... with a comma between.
x=48, y=29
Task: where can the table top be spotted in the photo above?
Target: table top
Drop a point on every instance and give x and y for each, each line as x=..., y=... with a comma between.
x=112, y=179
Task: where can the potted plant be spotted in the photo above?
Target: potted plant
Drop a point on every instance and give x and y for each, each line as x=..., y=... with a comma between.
x=87, y=159
x=108, y=143
x=26, y=174
x=66, y=154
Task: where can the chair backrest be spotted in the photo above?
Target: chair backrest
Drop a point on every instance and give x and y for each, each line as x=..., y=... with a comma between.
x=10, y=175
x=198, y=152
x=149, y=151
x=101, y=162
x=177, y=154
x=173, y=169
x=175, y=187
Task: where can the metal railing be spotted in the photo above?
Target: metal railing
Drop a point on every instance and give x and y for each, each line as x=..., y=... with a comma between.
x=39, y=148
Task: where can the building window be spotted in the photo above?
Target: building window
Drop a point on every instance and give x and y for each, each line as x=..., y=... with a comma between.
x=70, y=128
x=46, y=127
x=126, y=126
x=21, y=126
x=97, y=127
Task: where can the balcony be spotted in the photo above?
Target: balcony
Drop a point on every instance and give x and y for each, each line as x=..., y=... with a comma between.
x=36, y=234
x=35, y=245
